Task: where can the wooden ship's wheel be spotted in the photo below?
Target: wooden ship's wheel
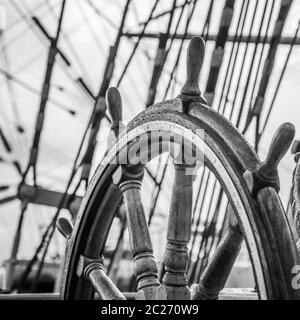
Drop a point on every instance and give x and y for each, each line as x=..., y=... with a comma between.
x=255, y=213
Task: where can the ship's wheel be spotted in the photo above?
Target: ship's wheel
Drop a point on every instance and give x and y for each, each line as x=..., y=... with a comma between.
x=255, y=212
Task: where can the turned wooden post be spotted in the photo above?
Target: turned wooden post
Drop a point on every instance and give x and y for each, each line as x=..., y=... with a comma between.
x=216, y=273
x=266, y=173
x=278, y=148
x=101, y=282
x=129, y=181
x=114, y=106
x=93, y=271
x=179, y=228
x=194, y=61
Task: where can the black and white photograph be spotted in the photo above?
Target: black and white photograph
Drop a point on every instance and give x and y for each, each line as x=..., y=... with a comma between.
x=149, y=152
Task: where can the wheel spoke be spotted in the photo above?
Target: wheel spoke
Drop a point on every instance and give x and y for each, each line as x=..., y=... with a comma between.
x=215, y=275
x=129, y=181
x=179, y=234
x=92, y=270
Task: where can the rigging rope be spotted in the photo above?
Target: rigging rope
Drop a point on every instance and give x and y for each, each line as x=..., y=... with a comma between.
x=94, y=122
x=137, y=43
x=280, y=81
x=251, y=68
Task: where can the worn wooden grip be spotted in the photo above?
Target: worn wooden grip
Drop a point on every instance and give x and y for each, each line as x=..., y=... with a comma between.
x=280, y=144
x=64, y=226
x=114, y=105
x=105, y=288
x=195, y=56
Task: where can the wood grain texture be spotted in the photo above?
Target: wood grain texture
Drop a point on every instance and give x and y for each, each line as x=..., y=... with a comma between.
x=283, y=248
x=266, y=173
x=114, y=106
x=145, y=267
x=280, y=144
x=179, y=234
x=194, y=60
x=104, y=287
x=295, y=201
x=215, y=275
